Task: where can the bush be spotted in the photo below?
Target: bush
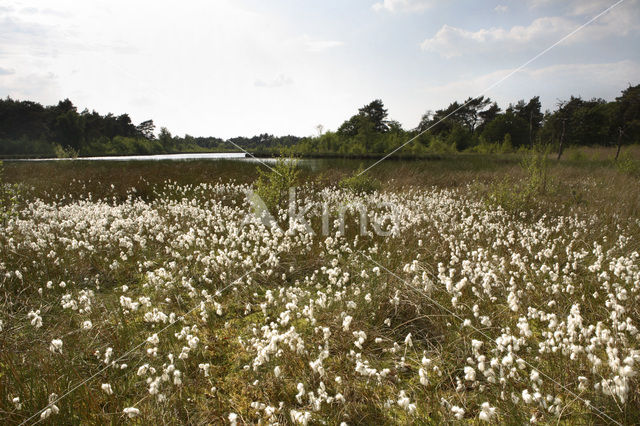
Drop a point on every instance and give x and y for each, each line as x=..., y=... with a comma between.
x=66, y=152
x=438, y=146
x=536, y=164
x=507, y=145
x=360, y=182
x=273, y=186
x=626, y=164
x=518, y=196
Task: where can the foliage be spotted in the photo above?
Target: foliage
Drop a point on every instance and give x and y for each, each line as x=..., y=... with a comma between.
x=474, y=125
x=360, y=182
x=439, y=146
x=67, y=152
x=61, y=124
x=273, y=186
x=372, y=116
x=627, y=164
x=468, y=114
x=518, y=195
x=507, y=124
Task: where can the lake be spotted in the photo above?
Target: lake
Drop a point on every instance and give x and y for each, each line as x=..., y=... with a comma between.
x=315, y=164
x=182, y=156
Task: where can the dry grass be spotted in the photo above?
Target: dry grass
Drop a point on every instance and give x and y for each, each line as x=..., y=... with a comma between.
x=586, y=187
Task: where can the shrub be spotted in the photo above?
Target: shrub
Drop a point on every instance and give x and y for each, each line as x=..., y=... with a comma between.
x=360, y=182
x=507, y=145
x=536, y=164
x=66, y=152
x=517, y=196
x=438, y=146
x=273, y=186
x=626, y=164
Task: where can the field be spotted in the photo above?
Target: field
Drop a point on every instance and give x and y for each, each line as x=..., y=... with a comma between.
x=481, y=289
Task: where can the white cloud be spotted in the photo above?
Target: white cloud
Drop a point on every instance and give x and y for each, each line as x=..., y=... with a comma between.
x=555, y=82
x=402, y=5
x=279, y=81
x=452, y=41
x=501, y=8
x=6, y=71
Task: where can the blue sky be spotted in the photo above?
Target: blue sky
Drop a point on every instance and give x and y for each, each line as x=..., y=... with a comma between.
x=242, y=67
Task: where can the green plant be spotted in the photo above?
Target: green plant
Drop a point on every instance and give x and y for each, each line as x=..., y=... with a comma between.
x=626, y=164
x=517, y=196
x=66, y=152
x=438, y=146
x=273, y=186
x=360, y=182
x=507, y=145
x=577, y=155
x=536, y=165
x=8, y=196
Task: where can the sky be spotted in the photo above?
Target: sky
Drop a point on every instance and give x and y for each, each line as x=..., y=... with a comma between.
x=244, y=67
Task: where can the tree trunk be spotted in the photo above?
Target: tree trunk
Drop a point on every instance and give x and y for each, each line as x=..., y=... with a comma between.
x=619, y=143
x=561, y=141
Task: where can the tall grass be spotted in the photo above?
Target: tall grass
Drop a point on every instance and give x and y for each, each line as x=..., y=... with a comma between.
x=169, y=236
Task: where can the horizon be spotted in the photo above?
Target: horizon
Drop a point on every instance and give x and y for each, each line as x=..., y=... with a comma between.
x=244, y=68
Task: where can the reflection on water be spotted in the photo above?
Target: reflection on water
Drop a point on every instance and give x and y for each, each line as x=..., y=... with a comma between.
x=315, y=164
x=183, y=156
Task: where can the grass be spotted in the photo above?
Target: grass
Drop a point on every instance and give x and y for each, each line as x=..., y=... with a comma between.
x=175, y=241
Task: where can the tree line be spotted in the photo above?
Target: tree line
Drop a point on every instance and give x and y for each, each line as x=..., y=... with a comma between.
x=30, y=129
x=480, y=125
x=473, y=125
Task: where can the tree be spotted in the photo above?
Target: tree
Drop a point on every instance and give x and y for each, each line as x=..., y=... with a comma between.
x=531, y=113
x=165, y=139
x=507, y=123
x=376, y=113
x=470, y=112
x=488, y=115
x=467, y=114
x=373, y=116
x=145, y=129
x=627, y=116
x=69, y=129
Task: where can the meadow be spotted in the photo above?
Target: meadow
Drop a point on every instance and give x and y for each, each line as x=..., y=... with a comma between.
x=484, y=288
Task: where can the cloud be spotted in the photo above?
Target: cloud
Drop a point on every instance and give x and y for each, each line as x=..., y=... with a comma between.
x=501, y=8
x=402, y=5
x=6, y=71
x=280, y=81
x=452, y=41
x=554, y=82
x=40, y=86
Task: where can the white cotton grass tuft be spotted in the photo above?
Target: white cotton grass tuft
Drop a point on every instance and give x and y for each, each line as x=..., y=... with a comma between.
x=131, y=412
x=233, y=419
x=51, y=409
x=56, y=346
x=350, y=320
